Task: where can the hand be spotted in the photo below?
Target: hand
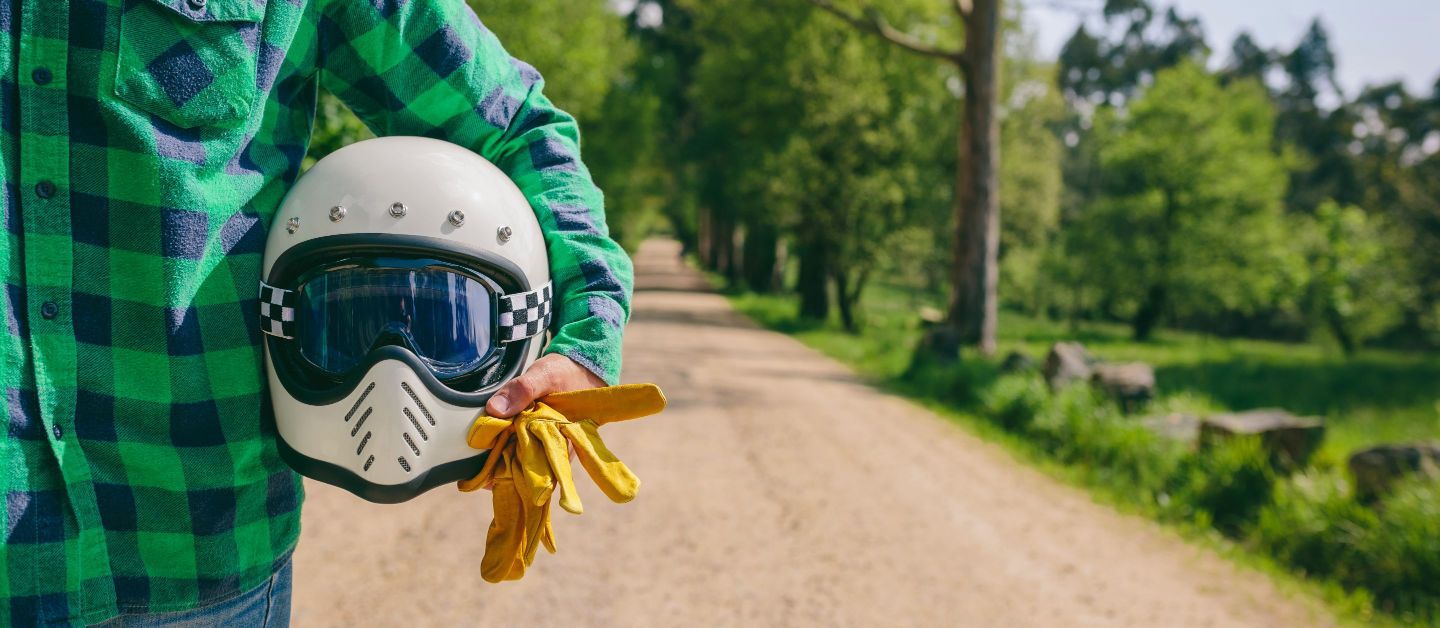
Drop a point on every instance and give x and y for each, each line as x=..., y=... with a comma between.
x=550, y=374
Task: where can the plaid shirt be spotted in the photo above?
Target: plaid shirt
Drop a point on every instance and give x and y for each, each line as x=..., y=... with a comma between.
x=146, y=145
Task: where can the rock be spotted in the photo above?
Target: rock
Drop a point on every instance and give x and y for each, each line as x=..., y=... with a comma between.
x=1290, y=439
x=1184, y=428
x=939, y=345
x=1067, y=363
x=1017, y=362
x=1133, y=384
x=1378, y=468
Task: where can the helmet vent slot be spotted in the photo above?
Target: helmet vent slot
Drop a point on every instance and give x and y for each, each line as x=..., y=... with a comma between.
x=359, y=401
x=356, y=430
x=411, y=442
x=416, y=422
x=423, y=410
x=404, y=464
x=363, y=442
x=369, y=462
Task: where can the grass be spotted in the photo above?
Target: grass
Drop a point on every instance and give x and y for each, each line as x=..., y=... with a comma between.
x=1379, y=564
x=1374, y=397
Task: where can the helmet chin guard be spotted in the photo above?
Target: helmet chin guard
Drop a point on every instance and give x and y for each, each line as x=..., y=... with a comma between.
x=405, y=281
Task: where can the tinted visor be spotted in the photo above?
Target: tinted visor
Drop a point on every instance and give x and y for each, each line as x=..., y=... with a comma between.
x=445, y=317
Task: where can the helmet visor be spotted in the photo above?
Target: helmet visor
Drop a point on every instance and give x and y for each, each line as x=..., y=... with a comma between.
x=445, y=317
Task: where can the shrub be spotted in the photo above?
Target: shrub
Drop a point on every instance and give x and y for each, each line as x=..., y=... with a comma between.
x=1225, y=484
x=1400, y=558
x=1015, y=400
x=1314, y=524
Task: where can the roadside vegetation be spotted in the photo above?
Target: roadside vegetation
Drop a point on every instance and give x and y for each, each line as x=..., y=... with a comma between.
x=1379, y=560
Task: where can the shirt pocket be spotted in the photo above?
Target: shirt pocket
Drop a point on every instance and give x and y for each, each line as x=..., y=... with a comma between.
x=190, y=62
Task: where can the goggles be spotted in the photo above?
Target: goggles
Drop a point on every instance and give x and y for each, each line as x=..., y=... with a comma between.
x=453, y=320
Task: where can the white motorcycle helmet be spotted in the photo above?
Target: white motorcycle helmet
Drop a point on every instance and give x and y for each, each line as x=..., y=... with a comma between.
x=405, y=281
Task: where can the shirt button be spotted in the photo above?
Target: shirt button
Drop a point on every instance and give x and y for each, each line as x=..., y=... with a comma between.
x=197, y=4
x=57, y=432
x=49, y=310
x=41, y=75
x=45, y=189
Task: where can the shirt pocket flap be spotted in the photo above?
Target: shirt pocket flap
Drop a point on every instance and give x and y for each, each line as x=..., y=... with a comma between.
x=216, y=10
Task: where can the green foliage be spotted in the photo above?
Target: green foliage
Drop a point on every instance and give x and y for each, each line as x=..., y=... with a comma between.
x=1015, y=400
x=1314, y=524
x=1225, y=485
x=580, y=46
x=1190, y=223
x=1354, y=290
x=1030, y=181
x=1391, y=550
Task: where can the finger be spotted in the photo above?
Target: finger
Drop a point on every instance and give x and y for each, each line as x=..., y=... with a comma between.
x=539, y=380
x=555, y=448
x=615, y=479
x=609, y=405
x=505, y=541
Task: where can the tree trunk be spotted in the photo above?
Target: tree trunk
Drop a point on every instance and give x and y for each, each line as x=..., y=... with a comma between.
x=1148, y=316
x=761, y=256
x=976, y=274
x=1341, y=331
x=704, y=239
x=847, y=296
x=813, y=280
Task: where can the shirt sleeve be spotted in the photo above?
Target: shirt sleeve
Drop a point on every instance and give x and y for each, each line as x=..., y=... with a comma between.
x=430, y=68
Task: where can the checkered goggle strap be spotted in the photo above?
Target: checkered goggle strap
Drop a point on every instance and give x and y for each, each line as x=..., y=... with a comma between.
x=526, y=314
x=277, y=311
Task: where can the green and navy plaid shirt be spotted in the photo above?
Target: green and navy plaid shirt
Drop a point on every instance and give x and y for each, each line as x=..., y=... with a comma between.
x=146, y=145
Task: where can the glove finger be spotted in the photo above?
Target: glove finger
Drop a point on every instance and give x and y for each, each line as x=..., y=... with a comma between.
x=486, y=476
x=557, y=453
x=547, y=535
x=609, y=405
x=612, y=476
x=533, y=473
x=486, y=431
x=505, y=541
x=537, y=520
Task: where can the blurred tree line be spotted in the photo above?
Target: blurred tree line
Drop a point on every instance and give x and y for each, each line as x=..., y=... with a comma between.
x=1143, y=176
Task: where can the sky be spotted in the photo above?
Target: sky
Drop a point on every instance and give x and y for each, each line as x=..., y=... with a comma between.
x=1375, y=41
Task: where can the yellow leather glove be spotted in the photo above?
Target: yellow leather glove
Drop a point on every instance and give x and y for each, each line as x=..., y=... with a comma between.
x=529, y=458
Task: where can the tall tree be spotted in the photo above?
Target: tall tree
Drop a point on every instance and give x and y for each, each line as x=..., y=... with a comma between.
x=975, y=273
x=1191, y=220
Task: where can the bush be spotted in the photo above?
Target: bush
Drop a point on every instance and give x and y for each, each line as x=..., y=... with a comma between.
x=1015, y=400
x=1399, y=560
x=1226, y=484
x=1314, y=524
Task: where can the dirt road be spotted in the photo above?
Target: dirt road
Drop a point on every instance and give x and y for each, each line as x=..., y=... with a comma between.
x=778, y=491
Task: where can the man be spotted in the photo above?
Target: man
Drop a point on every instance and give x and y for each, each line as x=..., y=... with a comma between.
x=145, y=146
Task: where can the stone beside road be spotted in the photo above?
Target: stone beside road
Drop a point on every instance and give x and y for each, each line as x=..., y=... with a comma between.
x=1067, y=363
x=1291, y=440
x=1132, y=385
x=1378, y=468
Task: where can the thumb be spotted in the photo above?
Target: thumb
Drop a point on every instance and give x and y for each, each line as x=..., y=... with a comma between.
x=522, y=391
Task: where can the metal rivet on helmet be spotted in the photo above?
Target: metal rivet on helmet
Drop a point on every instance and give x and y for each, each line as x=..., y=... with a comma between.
x=504, y=234
x=398, y=210
x=457, y=218
x=337, y=213
x=292, y=225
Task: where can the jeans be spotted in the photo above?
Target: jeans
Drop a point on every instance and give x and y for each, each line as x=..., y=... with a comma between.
x=265, y=606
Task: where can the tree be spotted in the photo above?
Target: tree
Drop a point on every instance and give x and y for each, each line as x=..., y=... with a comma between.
x=1353, y=289
x=1190, y=220
x=974, y=305
x=823, y=145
